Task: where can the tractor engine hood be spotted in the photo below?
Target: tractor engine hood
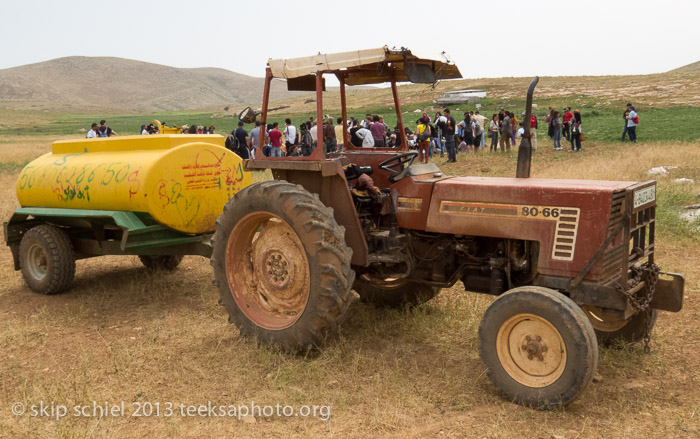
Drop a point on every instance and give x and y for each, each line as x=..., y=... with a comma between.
x=531, y=209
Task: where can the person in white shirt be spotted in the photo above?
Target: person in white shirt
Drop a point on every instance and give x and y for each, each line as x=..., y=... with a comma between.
x=482, y=121
x=314, y=135
x=366, y=136
x=144, y=131
x=290, y=133
x=92, y=133
x=632, y=122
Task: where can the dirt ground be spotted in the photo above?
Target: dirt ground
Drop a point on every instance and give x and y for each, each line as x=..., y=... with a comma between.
x=123, y=334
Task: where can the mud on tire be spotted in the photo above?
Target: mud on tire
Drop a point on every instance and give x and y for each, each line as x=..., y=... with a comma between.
x=47, y=259
x=281, y=265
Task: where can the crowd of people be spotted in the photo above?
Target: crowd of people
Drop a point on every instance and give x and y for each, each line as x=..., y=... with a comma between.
x=431, y=135
x=439, y=134
x=567, y=125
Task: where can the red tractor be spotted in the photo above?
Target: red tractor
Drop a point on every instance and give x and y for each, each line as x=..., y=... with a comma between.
x=570, y=261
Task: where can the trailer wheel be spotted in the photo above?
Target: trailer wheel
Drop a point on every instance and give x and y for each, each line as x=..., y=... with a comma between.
x=161, y=262
x=282, y=266
x=395, y=293
x=611, y=330
x=538, y=346
x=46, y=259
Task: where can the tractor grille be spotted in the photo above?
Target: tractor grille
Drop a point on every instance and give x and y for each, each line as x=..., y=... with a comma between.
x=637, y=241
x=642, y=234
x=614, y=257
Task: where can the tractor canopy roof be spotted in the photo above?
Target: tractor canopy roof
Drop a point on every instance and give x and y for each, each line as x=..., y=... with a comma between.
x=370, y=66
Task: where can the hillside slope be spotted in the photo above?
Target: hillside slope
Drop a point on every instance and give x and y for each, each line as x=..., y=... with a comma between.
x=88, y=84
x=693, y=67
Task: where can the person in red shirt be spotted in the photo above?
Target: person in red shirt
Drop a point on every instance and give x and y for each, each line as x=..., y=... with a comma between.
x=565, y=120
x=533, y=130
x=275, y=141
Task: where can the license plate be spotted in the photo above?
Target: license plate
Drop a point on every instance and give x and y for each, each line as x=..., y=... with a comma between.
x=644, y=196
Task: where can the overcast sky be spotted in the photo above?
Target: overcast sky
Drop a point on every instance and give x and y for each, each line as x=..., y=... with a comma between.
x=491, y=38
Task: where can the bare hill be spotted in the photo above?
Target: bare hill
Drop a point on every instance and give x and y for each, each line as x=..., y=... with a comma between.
x=88, y=84
x=694, y=67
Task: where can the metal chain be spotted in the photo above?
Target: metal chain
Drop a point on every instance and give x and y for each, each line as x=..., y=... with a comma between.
x=641, y=302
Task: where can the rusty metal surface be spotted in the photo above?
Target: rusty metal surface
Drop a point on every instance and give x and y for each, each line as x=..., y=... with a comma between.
x=265, y=103
x=343, y=111
x=269, y=271
x=412, y=196
x=588, y=292
x=333, y=191
x=496, y=207
x=327, y=168
x=321, y=146
x=668, y=295
x=399, y=115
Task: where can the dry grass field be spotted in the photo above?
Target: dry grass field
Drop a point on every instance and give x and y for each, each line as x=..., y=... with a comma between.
x=122, y=334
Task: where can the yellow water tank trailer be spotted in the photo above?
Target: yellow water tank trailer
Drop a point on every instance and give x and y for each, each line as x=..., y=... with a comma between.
x=183, y=181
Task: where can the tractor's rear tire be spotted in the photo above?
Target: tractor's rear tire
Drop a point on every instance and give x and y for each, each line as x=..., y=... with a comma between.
x=612, y=331
x=393, y=294
x=47, y=259
x=282, y=266
x=539, y=347
x=161, y=262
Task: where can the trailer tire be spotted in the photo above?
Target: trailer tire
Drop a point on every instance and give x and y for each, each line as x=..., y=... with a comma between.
x=46, y=259
x=282, y=266
x=161, y=262
x=613, y=332
x=394, y=295
x=539, y=347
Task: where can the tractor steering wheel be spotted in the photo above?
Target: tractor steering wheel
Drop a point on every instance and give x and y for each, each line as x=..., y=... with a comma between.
x=398, y=161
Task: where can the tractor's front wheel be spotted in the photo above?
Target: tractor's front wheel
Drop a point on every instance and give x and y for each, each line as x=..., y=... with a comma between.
x=539, y=347
x=282, y=266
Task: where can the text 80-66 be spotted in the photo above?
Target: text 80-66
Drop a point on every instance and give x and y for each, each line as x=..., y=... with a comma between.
x=545, y=212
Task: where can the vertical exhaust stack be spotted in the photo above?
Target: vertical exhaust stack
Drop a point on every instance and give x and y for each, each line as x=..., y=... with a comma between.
x=525, y=150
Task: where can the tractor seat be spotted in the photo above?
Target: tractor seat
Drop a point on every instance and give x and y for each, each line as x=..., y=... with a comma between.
x=353, y=171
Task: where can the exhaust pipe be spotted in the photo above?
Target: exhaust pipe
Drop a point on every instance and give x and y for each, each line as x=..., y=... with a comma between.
x=525, y=150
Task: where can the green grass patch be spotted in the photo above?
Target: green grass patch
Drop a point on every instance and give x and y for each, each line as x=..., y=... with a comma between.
x=601, y=124
x=671, y=198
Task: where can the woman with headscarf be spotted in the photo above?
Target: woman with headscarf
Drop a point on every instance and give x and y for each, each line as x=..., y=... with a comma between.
x=423, y=139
